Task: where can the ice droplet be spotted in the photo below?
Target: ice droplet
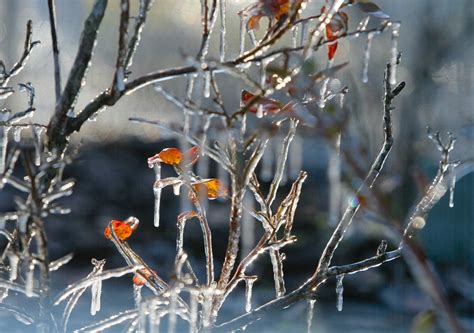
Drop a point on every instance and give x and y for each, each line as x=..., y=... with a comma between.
x=418, y=222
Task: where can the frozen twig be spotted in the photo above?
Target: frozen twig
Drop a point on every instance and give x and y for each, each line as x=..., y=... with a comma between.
x=54, y=44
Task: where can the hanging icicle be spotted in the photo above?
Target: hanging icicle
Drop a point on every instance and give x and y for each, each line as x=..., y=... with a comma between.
x=96, y=288
x=394, y=53
x=30, y=279
x=304, y=32
x=207, y=84
x=222, y=7
x=193, y=311
x=248, y=224
x=310, y=315
x=451, y=190
x=4, y=129
x=294, y=35
x=339, y=291
x=157, y=192
x=248, y=293
x=295, y=160
x=243, y=30
x=365, y=70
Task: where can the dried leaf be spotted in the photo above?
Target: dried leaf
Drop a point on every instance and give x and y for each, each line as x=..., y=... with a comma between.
x=268, y=105
x=272, y=9
x=212, y=188
x=334, y=29
x=174, y=156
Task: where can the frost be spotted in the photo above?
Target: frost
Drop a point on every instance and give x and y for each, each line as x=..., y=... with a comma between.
x=339, y=291
x=365, y=70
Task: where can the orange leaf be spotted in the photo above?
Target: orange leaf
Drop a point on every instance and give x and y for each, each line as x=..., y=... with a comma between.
x=172, y=156
x=334, y=29
x=212, y=188
x=192, y=155
x=139, y=280
x=272, y=9
x=123, y=230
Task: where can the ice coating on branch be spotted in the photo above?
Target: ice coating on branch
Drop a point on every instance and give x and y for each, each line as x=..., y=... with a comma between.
x=365, y=70
x=339, y=291
x=394, y=53
x=248, y=293
x=310, y=314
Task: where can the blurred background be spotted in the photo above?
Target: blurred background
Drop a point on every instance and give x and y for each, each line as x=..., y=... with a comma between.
x=114, y=181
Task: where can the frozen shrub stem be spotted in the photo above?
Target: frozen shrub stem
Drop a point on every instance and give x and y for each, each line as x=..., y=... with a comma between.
x=285, y=99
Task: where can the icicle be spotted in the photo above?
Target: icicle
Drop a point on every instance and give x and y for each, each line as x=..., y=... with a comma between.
x=248, y=293
x=37, y=132
x=13, y=259
x=207, y=84
x=294, y=34
x=324, y=87
x=451, y=191
x=339, y=291
x=334, y=178
x=172, y=311
x=394, y=53
x=222, y=8
x=30, y=279
x=4, y=129
x=17, y=133
x=365, y=70
x=157, y=193
x=193, y=309
x=96, y=287
x=243, y=29
x=296, y=155
x=176, y=189
x=266, y=168
x=248, y=231
x=260, y=111
x=304, y=32
x=309, y=317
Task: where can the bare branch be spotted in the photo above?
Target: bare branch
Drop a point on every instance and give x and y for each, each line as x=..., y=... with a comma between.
x=54, y=39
